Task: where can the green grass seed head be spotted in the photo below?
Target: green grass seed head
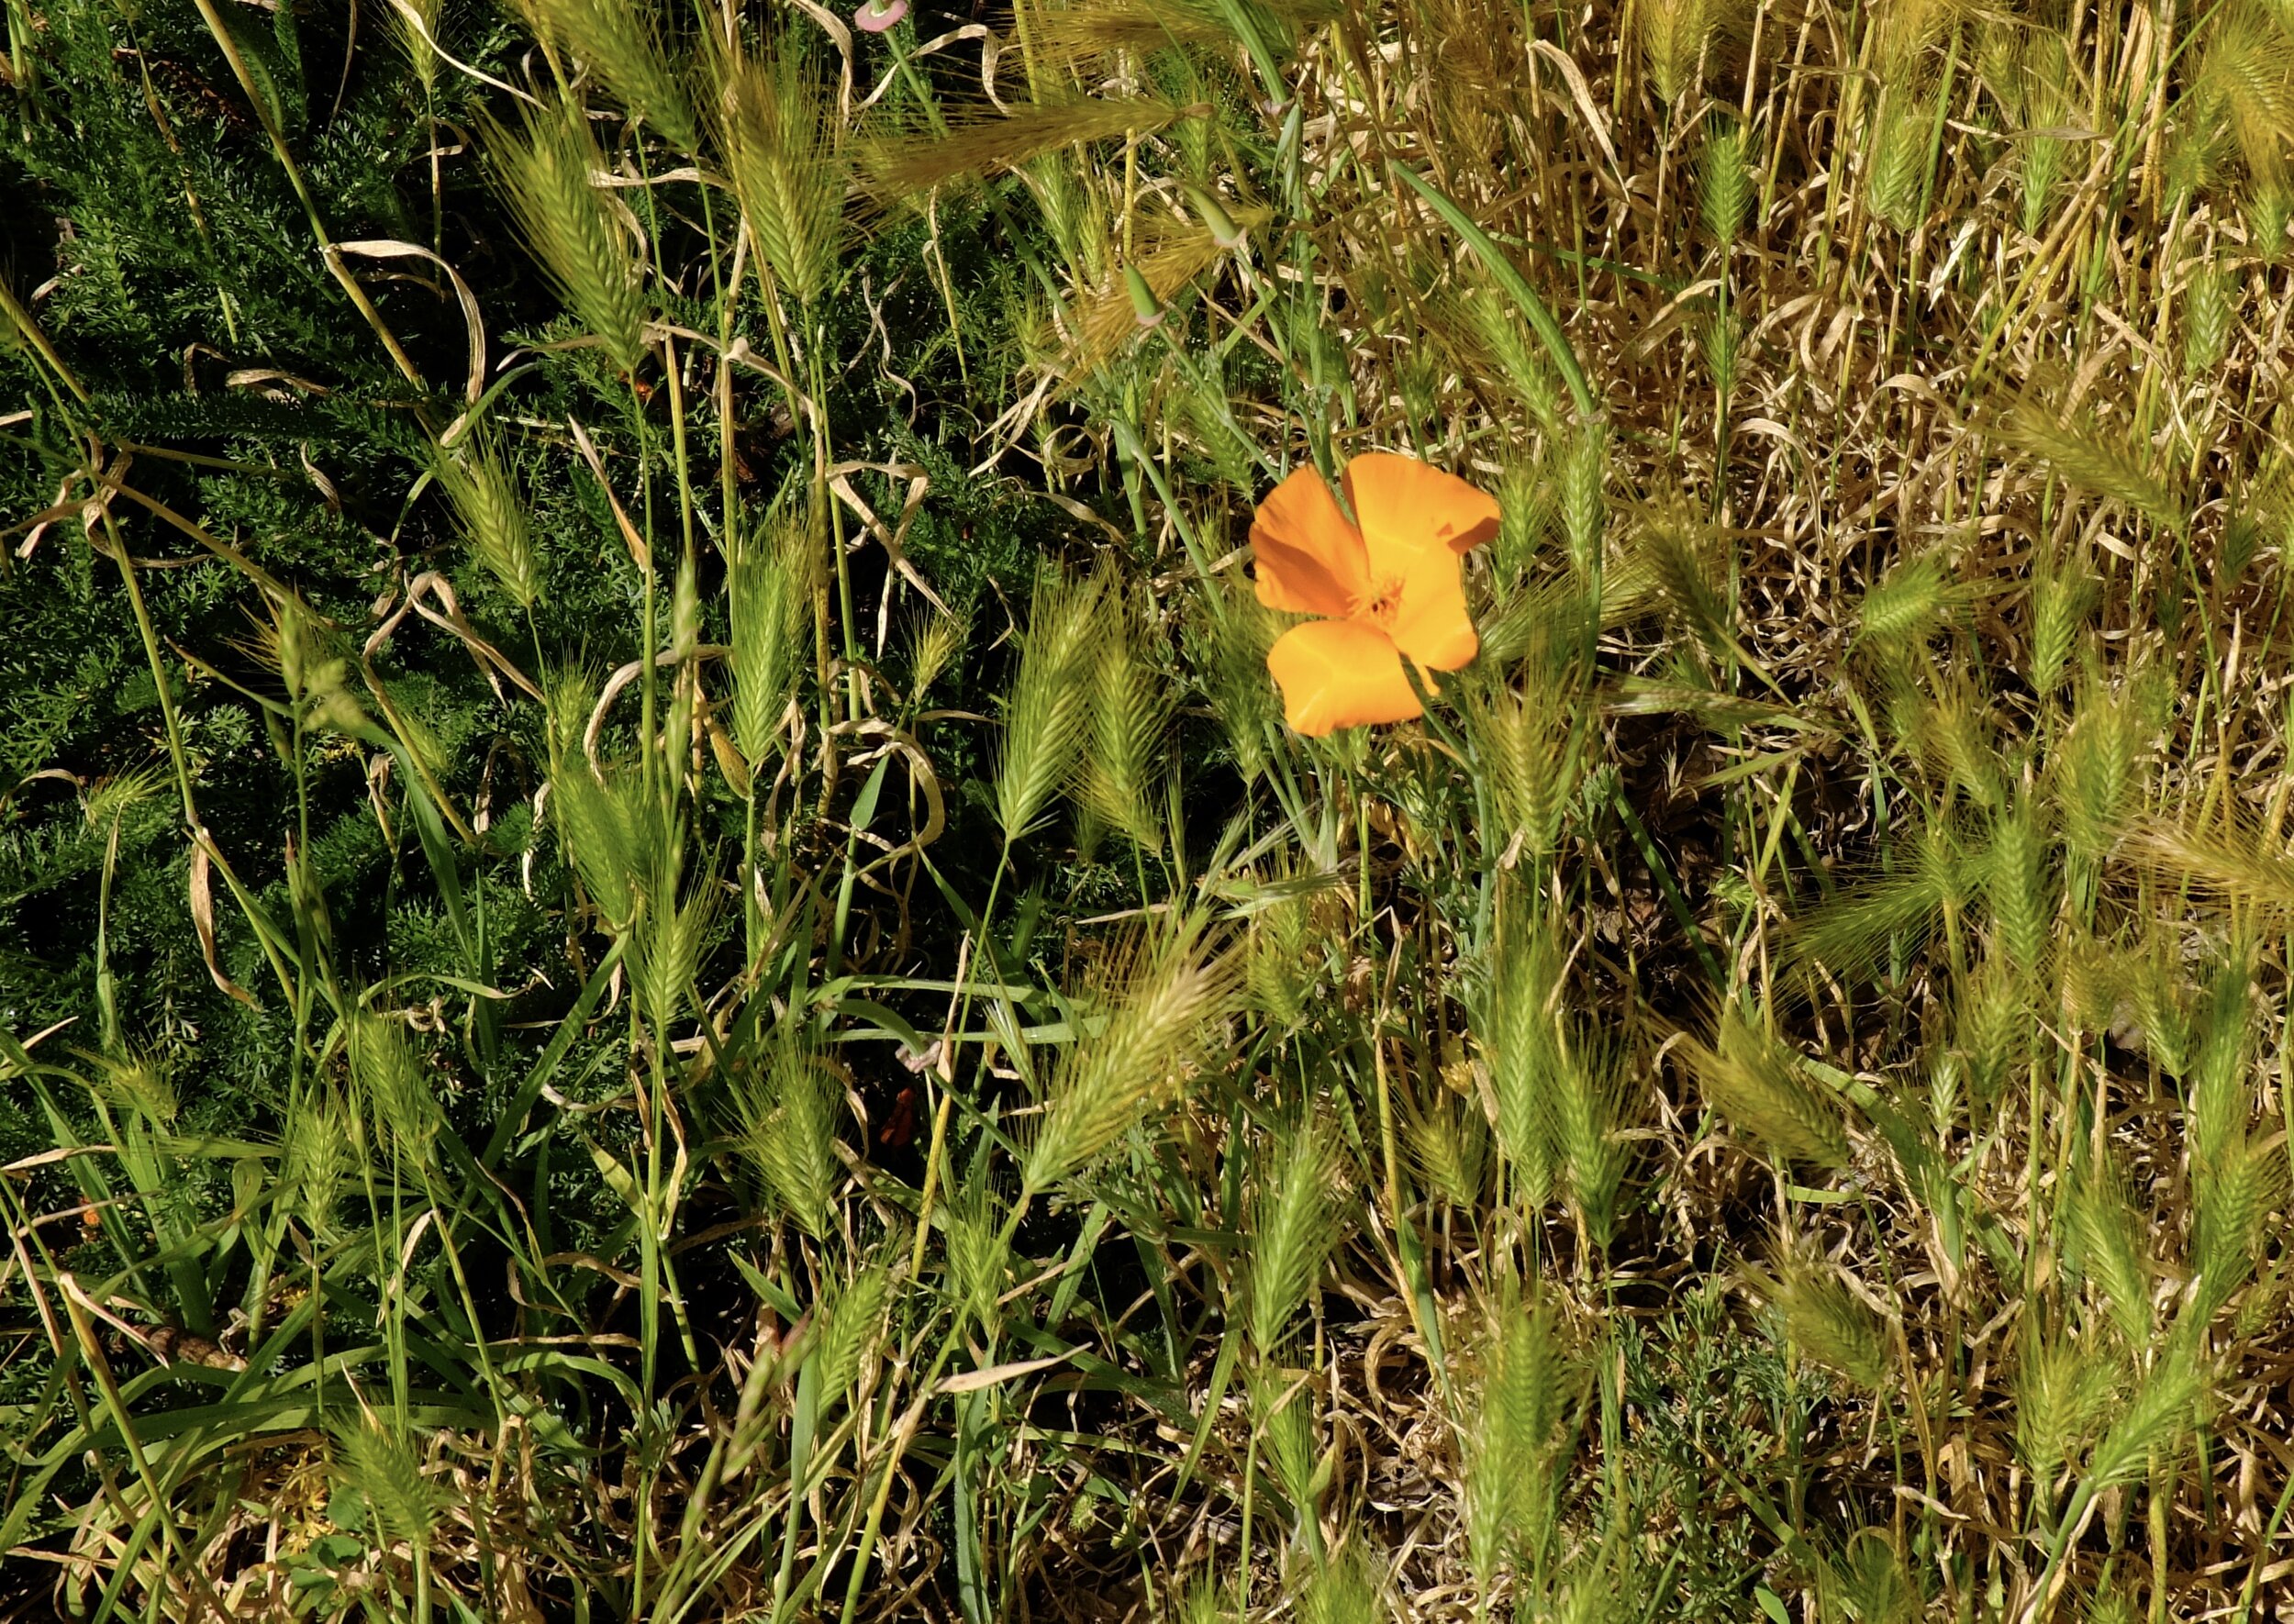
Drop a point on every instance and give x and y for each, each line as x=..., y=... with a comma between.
x=787, y=1110
x=1447, y=1139
x=1591, y=1118
x=1896, y=161
x=1583, y=507
x=766, y=598
x=491, y=514
x=1517, y=1028
x=2106, y=1246
x=319, y=1160
x=2020, y=886
x=1672, y=35
x=393, y=1090
x=1757, y=1084
x=2209, y=311
x=1827, y=1323
x=1294, y=1218
x=855, y=1323
x=1129, y=712
x=665, y=948
x=1160, y=1010
x=1724, y=180
x=379, y=1469
x=581, y=239
x=1226, y=648
x=775, y=128
x=1047, y=712
x=617, y=41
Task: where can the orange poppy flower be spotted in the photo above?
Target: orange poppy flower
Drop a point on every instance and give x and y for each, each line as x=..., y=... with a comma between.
x=1385, y=586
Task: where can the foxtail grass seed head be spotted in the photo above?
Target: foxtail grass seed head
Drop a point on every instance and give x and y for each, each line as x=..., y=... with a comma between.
x=1227, y=651
x=1156, y=1036
x=1295, y=1217
x=1493, y=324
x=1527, y=748
x=2062, y=1389
x=1525, y=515
x=1281, y=960
x=1827, y=1323
x=1048, y=709
x=2107, y=1248
x=2019, y=887
x=937, y=643
x=2171, y=1400
x=1672, y=38
x=665, y=948
x=776, y=127
x=1584, y=509
x=2209, y=309
x=391, y=1087
x=1130, y=704
x=415, y=25
x=2061, y=600
x=2270, y=209
x=579, y=238
x=378, y=1468
x=1897, y=159
x=602, y=828
x=854, y=1325
x=1282, y=1409
x=491, y=514
x=617, y=41
x=766, y=612
x=1591, y=1121
x=321, y=1161
x=978, y=1257
x=1757, y=1084
x=137, y=1084
x=1517, y=1027
x=787, y=1112
x=1724, y=181
x=1447, y=1139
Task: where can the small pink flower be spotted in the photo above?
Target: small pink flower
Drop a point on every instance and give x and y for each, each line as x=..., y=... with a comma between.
x=875, y=17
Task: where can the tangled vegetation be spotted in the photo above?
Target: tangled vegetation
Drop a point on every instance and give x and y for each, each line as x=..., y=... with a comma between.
x=664, y=953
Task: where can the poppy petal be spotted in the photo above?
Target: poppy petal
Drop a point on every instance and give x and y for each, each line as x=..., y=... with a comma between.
x=1403, y=505
x=1340, y=673
x=1430, y=622
x=1310, y=560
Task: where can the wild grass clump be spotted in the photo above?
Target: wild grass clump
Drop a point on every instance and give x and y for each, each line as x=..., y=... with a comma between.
x=664, y=953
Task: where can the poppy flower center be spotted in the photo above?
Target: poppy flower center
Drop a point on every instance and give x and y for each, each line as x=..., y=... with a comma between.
x=1383, y=603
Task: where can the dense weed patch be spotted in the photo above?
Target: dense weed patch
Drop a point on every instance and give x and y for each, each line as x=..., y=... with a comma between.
x=666, y=950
